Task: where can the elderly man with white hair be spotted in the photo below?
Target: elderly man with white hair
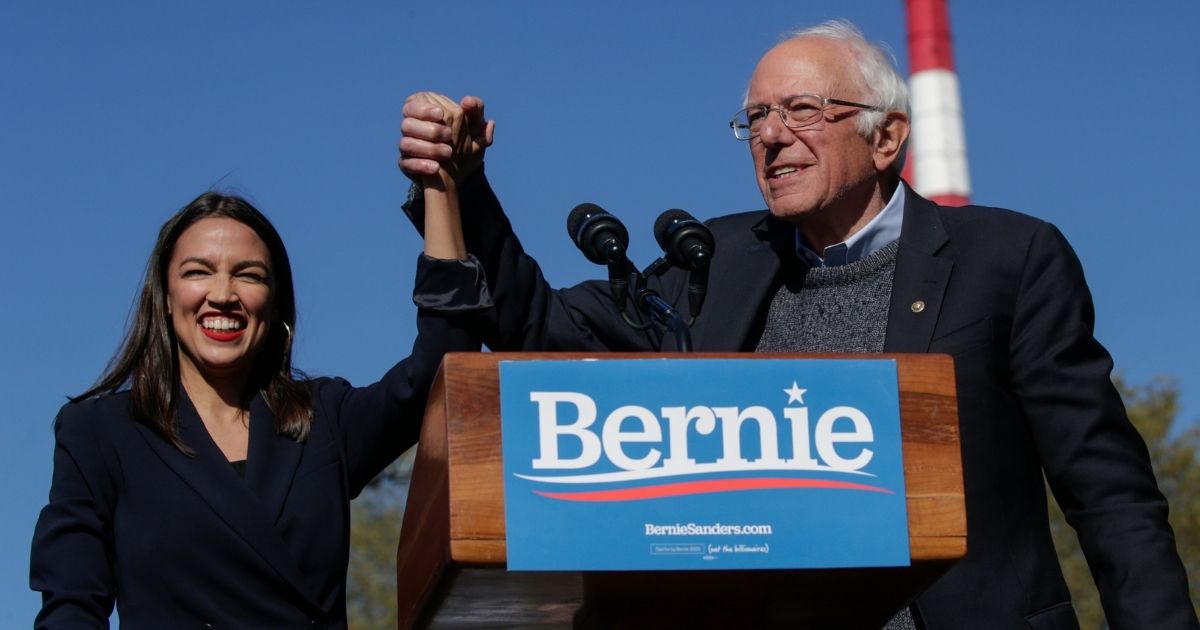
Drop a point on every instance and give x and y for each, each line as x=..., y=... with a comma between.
x=847, y=258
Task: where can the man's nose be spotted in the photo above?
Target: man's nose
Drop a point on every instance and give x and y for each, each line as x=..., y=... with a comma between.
x=773, y=132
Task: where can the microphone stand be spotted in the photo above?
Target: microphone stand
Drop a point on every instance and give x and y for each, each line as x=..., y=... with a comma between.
x=651, y=304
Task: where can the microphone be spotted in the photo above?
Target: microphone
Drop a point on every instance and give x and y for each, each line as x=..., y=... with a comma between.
x=599, y=235
x=603, y=239
x=689, y=244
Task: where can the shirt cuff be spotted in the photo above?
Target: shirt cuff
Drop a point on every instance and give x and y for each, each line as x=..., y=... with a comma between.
x=451, y=286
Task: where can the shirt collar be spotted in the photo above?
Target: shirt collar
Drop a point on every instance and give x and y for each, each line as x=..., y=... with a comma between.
x=874, y=236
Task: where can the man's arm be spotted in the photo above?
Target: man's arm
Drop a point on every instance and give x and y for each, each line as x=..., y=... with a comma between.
x=529, y=314
x=1095, y=462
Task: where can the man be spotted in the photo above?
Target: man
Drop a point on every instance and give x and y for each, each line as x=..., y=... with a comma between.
x=849, y=259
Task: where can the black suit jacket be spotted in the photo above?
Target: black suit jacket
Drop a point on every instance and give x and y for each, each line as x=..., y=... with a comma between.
x=1005, y=295
x=185, y=542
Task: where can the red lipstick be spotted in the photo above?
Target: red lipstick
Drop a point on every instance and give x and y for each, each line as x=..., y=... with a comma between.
x=221, y=335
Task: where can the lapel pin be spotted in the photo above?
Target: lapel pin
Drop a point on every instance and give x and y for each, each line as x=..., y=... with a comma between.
x=918, y=306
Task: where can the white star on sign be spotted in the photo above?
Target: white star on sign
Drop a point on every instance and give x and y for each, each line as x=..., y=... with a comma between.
x=795, y=393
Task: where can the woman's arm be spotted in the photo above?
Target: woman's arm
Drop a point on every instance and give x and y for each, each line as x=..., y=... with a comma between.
x=71, y=559
x=443, y=222
x=379, y=421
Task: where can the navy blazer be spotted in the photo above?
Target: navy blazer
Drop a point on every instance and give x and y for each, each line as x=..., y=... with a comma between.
x=1005, y=295
x=186, y=542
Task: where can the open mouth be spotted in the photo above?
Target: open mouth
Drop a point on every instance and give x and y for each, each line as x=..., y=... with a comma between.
x=781, y=172
x=222, y=327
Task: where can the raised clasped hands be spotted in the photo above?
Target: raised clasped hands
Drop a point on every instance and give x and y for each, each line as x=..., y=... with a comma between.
x=442, y=145
x=443, y=141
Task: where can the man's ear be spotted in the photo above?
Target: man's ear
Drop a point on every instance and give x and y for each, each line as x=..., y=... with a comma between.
x=890, y=137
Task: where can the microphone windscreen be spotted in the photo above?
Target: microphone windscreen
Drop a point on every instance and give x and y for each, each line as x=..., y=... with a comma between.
x=662, y=225
x=580, y=214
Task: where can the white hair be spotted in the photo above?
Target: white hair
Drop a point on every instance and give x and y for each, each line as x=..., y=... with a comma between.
x=882, y=85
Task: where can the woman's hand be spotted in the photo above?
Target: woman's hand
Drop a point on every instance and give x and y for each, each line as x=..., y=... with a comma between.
x=443, y=144
x=441, y=134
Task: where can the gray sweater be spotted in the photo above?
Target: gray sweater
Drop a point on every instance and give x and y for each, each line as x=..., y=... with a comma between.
x=833, y=309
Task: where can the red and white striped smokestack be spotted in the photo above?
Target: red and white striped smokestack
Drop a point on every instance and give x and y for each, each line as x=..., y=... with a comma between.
x=937, y=149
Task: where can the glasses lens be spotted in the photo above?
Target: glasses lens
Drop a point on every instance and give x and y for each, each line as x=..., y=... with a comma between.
x=803, y=110
x=741, y=125
x=745, y=123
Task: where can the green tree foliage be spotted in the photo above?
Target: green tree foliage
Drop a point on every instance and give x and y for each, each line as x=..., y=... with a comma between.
x=375, y=518
x=1175, y=452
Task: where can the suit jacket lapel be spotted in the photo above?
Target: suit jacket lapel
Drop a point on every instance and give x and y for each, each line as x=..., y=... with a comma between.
x=737, y=288
x=218, y=484
x=921, y=277
x=272, y=460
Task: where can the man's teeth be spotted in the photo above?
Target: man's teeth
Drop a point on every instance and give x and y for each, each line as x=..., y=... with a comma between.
x=222, y=323
x=783, y=171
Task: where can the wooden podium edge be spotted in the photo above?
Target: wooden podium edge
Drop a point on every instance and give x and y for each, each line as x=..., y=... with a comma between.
x=423, y=552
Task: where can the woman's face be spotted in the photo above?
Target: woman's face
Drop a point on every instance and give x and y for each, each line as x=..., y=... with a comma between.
x=219, y=298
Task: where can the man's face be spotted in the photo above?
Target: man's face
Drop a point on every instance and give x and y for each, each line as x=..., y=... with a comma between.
x=806, y=173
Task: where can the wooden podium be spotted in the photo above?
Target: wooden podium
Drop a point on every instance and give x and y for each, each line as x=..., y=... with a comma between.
x=451, y=558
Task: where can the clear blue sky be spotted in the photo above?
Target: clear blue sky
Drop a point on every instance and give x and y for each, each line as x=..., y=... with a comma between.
x=116, y=114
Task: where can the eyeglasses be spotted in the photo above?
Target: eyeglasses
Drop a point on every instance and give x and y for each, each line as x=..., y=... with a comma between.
x=798, y=112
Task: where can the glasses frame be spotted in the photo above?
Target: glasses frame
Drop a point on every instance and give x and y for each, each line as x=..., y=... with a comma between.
x=779, y=109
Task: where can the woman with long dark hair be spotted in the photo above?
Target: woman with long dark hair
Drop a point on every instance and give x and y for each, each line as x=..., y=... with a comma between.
x=204, y=483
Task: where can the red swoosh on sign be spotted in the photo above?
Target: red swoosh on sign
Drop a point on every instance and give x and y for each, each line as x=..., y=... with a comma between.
x=706, y=487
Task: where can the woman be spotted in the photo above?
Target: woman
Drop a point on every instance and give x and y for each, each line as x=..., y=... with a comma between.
x=200, y=484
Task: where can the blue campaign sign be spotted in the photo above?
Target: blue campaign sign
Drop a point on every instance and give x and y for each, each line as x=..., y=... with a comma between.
x=681, y=464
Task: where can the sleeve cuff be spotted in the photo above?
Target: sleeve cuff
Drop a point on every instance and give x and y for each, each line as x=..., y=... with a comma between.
x=414, y=202
x=451, y=286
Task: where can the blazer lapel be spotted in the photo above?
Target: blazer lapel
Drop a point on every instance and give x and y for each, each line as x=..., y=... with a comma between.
x=272, y=460
x=920, y=282
x=211, y=476
x=737, y=288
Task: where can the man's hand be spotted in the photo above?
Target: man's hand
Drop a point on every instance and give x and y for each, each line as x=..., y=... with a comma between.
x=441, y=134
